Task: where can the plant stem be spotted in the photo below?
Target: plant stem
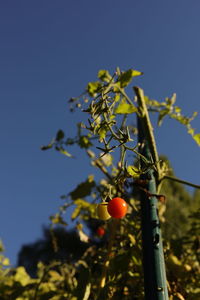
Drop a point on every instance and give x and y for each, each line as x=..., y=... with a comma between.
x=125, y=95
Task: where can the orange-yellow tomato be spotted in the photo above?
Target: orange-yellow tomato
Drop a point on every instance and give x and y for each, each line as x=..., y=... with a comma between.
x=102, y=211
x=117, y=208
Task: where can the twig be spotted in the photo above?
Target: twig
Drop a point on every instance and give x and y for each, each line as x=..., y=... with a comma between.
x=181, y=181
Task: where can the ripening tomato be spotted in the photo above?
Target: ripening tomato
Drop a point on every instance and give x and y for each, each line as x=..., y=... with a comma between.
x=100, y=231
x=102, y=211
x=117, y=208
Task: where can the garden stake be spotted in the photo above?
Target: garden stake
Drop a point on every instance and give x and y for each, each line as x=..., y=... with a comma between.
x=155, y=282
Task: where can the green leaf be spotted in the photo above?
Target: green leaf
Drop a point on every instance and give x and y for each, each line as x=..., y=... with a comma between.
x=82, y=203
x=60, y=135
x=104, y=75
x=49, y=146
x=125, y=108
x=196, y=137
x=107, y=159
x=93, y=88
x=177, y=109
x=133, y=171
x=132, y=239
x=84, y=142
x=5, y=261
x=191, y=130
x=83, y=189
x=151, y=102
x=182, y=119
x=162, y=114
x=63, y=151
x=102, y=131
x=87, y=291
x=117, y=97
x=57, y=219
x=126, y=77
x=76, y=212
x=21, y=276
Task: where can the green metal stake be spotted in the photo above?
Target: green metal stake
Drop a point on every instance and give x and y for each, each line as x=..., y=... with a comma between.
x=155, y=282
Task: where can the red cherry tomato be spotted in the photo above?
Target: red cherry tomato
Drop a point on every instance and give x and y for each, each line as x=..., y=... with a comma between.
x=117, y=208
x=100, y=231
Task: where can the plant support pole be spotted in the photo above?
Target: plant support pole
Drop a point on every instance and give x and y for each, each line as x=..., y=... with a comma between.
x=155, y=282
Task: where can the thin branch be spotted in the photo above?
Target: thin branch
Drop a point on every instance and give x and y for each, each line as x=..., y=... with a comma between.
x=125, y=95
x=98, y=164
x=181, y=181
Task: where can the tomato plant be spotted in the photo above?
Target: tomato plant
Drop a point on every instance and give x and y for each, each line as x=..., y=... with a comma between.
x=112, y=268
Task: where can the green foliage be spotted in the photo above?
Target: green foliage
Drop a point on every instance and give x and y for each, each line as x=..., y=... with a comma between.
x=93, y=88
x=167, y=108
x=125, y=77
x=196, y=137
x=125, y=108
x=111, y=268
x=83, y=189
x=104, y=75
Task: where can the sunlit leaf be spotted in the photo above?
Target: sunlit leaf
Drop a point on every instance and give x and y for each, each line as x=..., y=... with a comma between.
x=196, y=137
x=21, y=276
x=125, y=108
x=84, y=142
x=63, y=151
x=133, y=171
x=87, y=292
x=107, y=159
x=102, y=131
x=150, y=102
x=162, y=114
x=132, y=239
x=83, y=237
x=126, y=77
x=117, y=97
x=177, y=109
x=191, y=131
x=104, y=75
x=76, y=212
x=93, y=88
x=57, y=219
x=55, y=276
x=5, y=261
x=46, y=287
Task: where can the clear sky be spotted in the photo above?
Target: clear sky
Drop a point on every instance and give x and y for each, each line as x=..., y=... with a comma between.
x=49, y=50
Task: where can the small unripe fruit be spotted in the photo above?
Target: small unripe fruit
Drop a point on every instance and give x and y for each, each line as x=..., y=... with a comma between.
x=102, y=211
x=117, y=208
x=100, y=231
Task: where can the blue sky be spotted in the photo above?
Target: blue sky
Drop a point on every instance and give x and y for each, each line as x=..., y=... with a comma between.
x=49, y=50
